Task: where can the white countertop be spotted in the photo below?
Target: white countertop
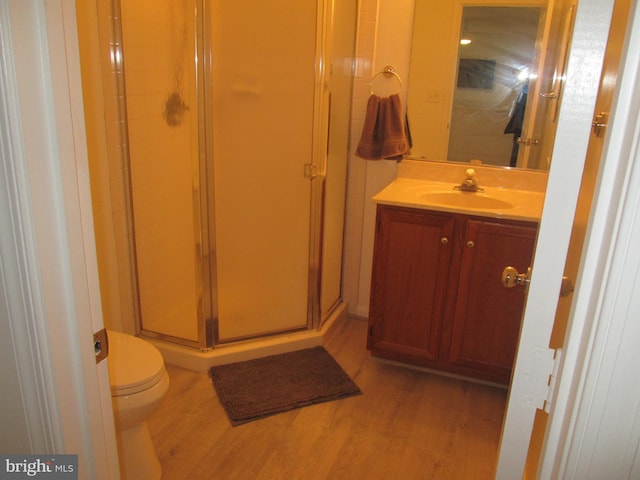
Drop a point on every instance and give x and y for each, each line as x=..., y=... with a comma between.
x=494, y=202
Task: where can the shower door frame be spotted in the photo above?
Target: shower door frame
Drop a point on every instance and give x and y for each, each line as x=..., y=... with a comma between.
x=204, y=322
x=315, y=171
x=204, y=220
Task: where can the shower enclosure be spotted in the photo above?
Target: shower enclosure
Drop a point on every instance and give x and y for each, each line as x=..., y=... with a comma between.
x=233, y=121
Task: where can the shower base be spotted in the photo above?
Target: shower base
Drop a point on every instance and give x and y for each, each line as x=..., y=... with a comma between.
x=199, y=361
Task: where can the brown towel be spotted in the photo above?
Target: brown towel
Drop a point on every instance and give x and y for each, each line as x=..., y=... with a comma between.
x=384, y=134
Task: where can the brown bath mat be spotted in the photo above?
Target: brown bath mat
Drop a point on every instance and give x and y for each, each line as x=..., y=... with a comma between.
x=265, y=386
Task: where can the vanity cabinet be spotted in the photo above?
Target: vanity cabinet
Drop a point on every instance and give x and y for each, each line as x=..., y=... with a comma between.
x=437, y=298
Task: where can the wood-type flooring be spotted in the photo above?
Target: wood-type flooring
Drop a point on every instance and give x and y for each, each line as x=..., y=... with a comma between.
x=407, y=425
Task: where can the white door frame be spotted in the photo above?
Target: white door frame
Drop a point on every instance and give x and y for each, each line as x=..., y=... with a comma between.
x=594, y=427
x=574, y=128
x=49, y=217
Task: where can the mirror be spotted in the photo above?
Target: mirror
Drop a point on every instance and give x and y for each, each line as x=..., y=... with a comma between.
x=495, y=59
x=485, y=80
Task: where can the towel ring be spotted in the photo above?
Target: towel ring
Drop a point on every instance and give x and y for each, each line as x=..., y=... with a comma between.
x=388, y=70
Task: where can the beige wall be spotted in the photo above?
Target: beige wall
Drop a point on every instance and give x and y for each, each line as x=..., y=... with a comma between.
x=432, y=76
x=342, y=49
x=384, y=38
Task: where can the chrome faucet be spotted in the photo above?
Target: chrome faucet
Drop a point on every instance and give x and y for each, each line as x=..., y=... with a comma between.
x=470, y=184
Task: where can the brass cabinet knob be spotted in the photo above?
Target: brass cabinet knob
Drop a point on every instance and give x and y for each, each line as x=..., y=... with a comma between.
x=471, y=244
x=444, y=240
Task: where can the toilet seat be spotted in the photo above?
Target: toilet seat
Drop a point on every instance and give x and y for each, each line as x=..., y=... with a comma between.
x=134, y=364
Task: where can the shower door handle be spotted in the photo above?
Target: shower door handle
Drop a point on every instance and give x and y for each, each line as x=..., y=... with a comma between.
x=311, y=170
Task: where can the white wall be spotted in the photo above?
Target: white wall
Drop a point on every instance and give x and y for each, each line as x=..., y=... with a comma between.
x=384, y=38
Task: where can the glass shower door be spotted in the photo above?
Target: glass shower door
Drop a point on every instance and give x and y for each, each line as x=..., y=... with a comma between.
x=162, y=124
x=226, y=106
x=263, y=83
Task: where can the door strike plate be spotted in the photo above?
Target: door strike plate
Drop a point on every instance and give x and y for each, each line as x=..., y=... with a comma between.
x=101, y=345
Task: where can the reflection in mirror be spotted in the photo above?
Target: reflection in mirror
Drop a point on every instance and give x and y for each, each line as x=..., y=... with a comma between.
x=495, y=60
x=485, y=80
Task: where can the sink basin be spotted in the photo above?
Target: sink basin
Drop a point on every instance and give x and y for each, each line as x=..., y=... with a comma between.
x=472, y=200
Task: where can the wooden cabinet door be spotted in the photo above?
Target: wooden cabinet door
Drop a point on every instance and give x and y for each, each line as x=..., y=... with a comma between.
x=487, y=316
x=412, y=263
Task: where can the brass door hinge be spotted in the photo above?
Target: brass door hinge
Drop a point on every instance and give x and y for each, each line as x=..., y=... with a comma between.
x=600, y=124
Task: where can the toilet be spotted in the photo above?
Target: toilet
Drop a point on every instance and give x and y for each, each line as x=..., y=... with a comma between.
x=138, y=381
